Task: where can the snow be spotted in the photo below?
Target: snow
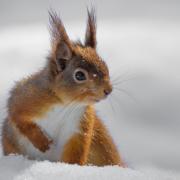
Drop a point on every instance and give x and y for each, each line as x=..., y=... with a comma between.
x=146, y=132
x=19, y=168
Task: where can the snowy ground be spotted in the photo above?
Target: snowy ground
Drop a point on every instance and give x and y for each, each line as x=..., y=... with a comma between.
x=146, y=129
x=18, y=168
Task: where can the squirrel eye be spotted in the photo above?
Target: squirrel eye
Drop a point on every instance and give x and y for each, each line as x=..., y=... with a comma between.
x=80, y=75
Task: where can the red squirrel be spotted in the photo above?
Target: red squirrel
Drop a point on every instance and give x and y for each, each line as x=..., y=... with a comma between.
x=51, y=114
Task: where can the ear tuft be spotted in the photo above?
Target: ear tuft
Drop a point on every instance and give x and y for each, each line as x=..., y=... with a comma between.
x=58, y=32
x=90, y=39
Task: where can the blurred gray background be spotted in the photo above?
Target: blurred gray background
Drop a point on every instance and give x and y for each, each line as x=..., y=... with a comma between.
x=24, y=11
x=139, y=40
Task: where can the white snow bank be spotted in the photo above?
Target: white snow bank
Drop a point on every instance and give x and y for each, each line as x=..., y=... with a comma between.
x=19, y=168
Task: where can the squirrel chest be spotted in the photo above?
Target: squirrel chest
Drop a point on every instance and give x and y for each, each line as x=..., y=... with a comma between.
x=60, y=123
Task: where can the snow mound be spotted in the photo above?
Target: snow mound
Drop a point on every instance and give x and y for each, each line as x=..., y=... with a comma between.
x=19, y=168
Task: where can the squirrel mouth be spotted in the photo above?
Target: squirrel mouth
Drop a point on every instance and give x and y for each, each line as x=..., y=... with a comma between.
x=97, y=100
x=93, y=99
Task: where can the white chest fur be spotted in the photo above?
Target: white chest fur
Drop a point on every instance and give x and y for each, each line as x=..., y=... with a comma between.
x=59, y=124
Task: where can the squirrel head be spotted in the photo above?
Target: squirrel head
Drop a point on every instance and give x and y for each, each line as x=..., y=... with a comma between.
x=78, y=72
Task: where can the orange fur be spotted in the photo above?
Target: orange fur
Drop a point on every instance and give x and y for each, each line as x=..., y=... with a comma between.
x=8, y=143
x=77, y=149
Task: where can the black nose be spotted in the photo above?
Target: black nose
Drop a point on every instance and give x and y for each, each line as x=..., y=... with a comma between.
x=107, y=91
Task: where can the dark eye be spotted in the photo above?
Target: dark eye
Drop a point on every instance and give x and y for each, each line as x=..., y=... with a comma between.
x=80, y=75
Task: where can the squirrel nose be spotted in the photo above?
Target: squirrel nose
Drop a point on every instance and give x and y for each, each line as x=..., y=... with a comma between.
x=107, y=91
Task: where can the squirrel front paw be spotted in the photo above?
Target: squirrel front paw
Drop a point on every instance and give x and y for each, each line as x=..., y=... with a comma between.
x=43, y=143
x=45, y=146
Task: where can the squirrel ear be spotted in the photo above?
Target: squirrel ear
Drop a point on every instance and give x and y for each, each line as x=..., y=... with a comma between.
x=61, y=45
x=62, y=56
x=90, y=39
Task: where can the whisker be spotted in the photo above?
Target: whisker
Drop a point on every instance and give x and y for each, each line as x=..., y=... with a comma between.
x=68, y=111
x=121, y=75
x=132, y=76
x=127, y=93
x=115, y=100
x=69, y=104
x=111, y=105
x=125, y=75
x=122, y=81
x=74, y=108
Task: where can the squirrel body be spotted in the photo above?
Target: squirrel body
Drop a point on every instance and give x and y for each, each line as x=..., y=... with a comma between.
x=60, y=131
x=51, y=114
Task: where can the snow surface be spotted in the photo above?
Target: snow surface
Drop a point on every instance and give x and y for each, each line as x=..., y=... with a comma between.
x=19, y=168
x=146, y=130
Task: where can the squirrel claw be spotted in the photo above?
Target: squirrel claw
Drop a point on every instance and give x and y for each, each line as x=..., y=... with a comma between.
x=45, y=145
